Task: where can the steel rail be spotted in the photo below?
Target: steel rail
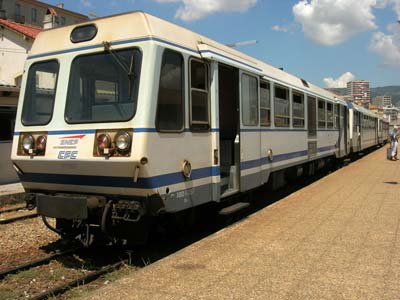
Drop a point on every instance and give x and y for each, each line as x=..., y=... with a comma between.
x=35, y=263
x=83, y=280
x=18, y=218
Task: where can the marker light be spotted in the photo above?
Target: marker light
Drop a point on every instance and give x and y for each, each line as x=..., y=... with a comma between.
x=28, y=142
x=41, y=144
x=83, y=33
x=123, y=141
x=103, y=141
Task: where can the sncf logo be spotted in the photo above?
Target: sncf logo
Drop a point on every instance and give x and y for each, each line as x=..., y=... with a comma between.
x=71, y=140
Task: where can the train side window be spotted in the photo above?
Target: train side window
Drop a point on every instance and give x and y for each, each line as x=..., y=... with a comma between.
x=265, y=104
x=321, y=114
x=249, y=100
x=170, y=107
x=329, y=114
x=199, y=100
x=282, y=107
x=298, y=109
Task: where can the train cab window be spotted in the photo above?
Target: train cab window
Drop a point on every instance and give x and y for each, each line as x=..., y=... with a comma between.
x=298, y=109
x=103, y=87
x=282, y=107
x=249, y=94
x=199, y=100
x=170, y=107
x=329, y=114
x=40, y=93
x=321, y=114
x=265, y=104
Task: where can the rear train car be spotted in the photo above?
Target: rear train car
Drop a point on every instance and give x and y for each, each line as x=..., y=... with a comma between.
x=118, y=127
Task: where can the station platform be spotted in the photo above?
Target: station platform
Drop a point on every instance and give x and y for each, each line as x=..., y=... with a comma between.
x=337, y=238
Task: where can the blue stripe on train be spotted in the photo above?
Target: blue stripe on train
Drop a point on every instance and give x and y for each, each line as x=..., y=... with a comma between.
x=120, y=182
x=156, y=181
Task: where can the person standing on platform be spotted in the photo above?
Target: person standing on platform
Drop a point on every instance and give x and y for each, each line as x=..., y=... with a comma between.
x=394, y=137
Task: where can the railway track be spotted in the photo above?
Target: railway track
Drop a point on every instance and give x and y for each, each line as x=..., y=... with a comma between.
x=35, y=263
x=83, y=280
x=88, y=267
x=17, y=213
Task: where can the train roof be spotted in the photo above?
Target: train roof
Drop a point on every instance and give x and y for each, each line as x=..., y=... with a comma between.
x=140, y=26
x=361, y=109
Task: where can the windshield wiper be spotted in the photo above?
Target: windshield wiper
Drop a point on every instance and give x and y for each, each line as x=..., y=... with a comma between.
x=117, y=58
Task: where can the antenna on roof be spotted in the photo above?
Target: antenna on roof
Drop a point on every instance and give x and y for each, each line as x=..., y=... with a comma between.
x=244, y=43
x=93, y=14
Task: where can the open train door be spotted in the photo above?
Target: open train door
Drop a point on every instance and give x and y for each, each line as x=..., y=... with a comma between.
x=250, y=134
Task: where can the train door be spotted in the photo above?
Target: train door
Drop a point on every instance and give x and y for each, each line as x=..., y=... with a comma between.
x=250, y=134
x=344, y=126
x=312, y=125
x=229, y=141
x=359, y=130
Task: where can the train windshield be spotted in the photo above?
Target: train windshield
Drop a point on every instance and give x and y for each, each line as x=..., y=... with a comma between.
x=40, y=93
x=103, y=87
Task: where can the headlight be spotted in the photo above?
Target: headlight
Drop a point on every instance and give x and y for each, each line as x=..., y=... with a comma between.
x=41, y=143
x=28, y=142
x=123, y=141
x=103, y=141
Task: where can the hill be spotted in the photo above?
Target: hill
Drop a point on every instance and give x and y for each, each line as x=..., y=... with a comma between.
x=393, y=90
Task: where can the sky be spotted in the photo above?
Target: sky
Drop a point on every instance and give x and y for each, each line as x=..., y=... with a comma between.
x=327, y=42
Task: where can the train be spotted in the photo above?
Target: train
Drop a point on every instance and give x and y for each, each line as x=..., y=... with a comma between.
x=128, y=118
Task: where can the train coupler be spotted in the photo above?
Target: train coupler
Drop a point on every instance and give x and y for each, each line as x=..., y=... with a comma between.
x=129, y=211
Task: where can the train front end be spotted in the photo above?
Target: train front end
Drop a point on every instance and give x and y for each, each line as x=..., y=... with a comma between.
x=76, y=146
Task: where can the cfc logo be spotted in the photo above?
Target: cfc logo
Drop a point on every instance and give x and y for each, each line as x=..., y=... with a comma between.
x=67, y=154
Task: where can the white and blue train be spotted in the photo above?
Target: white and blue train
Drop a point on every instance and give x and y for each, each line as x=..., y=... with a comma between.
x=129, y=117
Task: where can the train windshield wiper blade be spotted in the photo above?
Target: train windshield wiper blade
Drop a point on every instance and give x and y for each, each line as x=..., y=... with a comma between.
x=117, y=58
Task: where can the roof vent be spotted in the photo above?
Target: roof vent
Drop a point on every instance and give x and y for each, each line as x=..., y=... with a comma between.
x=305, y=83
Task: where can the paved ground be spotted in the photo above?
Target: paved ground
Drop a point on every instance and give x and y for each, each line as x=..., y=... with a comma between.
x=335, y=239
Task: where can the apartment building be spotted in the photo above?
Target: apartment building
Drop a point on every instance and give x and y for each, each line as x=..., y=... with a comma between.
x=359, y=92
x=382, y=101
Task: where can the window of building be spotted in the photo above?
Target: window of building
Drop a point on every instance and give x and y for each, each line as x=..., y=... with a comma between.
x=199, y=100
x=282, y=107
x=62, y=20
x=170, y=107
x=40, y=93
x=1, y=4
x=265, y=103
x=329, y=114
x=321, y=114
x=17, y=10
x=249, y=100
x=298, y=109
x=34, y=15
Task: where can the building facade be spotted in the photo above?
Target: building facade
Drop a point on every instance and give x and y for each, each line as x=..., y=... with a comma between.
x=359, y=92
x=38, y=13
x=392, y=114
x=382, y=101
x=20, y=22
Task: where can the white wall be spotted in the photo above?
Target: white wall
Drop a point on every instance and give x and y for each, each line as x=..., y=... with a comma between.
x=13, y=53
